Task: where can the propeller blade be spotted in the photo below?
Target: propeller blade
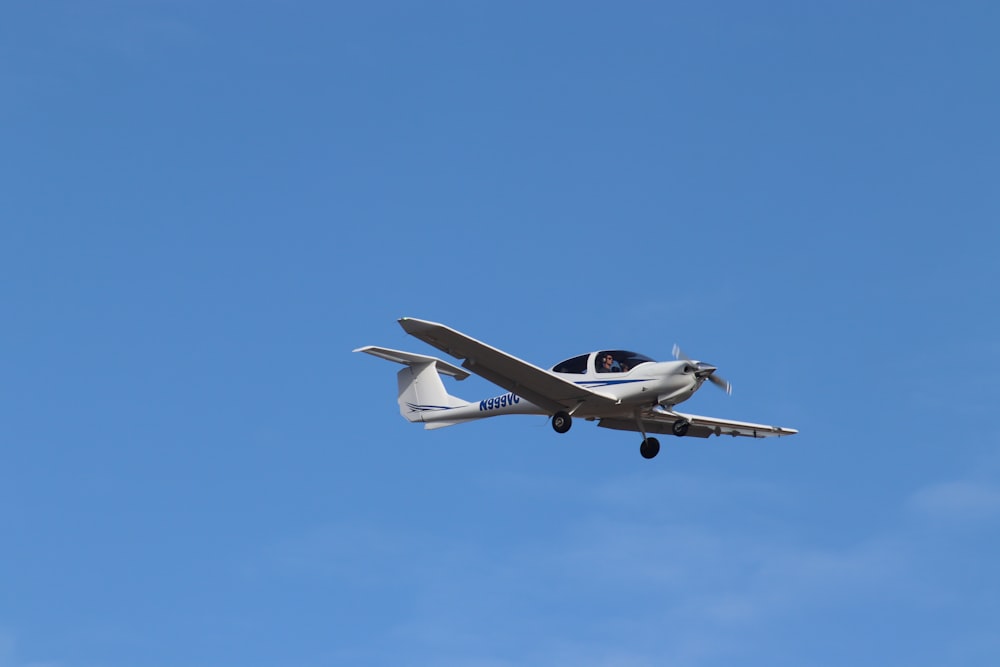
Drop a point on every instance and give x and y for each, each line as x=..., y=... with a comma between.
x=721, y=384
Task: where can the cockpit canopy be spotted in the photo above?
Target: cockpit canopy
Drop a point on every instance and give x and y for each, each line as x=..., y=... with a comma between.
x=621, y=361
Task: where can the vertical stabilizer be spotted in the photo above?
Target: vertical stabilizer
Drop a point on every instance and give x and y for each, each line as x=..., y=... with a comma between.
x=421, y=391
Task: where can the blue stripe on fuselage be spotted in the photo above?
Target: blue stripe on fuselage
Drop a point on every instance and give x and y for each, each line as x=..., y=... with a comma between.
x=605, y=383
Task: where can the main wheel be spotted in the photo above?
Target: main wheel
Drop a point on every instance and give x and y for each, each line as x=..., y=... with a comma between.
x=680, y=427
x=561, y=422
x=649, y=448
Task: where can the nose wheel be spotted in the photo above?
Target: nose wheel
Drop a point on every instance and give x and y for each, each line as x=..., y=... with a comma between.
x=561, y=421
x=649, y=448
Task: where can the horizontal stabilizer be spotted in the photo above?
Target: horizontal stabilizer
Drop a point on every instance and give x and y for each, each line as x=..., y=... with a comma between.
x=411, y=358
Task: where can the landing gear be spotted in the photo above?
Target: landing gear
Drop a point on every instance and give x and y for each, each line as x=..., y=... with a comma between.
x=680, y=427
x=561, y=421
x=649, y=448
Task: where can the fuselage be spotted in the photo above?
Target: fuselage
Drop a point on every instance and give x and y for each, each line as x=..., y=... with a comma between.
x=634, y=381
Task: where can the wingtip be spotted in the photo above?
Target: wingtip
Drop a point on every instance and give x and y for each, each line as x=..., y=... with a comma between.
x=412, y=324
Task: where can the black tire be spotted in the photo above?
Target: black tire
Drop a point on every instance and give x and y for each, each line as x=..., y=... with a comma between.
x=680, y=428
x=561, y=422
x=649, y=448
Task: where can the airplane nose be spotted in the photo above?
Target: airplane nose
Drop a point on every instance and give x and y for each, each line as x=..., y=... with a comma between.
x=703, y=371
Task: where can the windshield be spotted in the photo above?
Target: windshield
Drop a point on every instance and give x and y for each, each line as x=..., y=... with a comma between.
x=574, y=365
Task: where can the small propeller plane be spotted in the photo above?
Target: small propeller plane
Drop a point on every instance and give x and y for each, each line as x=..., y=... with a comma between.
x=619, y=389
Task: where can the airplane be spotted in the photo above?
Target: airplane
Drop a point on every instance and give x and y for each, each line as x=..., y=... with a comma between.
x=619, y=389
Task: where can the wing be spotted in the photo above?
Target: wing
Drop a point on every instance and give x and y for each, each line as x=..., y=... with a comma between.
x=655, y=421
x=530, y=382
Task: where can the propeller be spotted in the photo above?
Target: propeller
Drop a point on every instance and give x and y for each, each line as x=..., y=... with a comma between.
x=703, y=370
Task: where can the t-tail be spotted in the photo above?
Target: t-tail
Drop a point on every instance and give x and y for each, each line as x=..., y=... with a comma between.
x=422, y=395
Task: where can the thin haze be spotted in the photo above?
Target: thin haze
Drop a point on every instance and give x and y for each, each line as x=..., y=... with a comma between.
x=206, y=206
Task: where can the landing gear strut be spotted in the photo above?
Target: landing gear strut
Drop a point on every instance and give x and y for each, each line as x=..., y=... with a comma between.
x=649, y=448
x=561, y=421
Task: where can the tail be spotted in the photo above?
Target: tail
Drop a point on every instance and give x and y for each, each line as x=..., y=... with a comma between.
x=422, y=395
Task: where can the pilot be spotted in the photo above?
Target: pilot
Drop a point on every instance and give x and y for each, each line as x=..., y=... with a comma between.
x=609, y=365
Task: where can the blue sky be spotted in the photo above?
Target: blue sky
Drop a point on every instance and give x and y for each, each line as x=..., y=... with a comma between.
x=206, y=206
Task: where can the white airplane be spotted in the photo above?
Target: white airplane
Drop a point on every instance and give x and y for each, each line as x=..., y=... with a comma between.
x=620, y=389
